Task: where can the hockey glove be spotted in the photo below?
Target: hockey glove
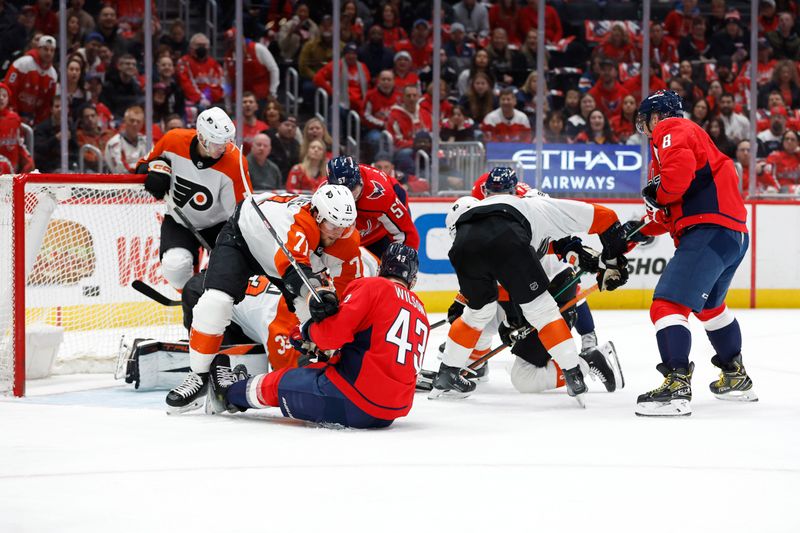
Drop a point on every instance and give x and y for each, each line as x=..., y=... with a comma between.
x=159, y=177
x=328, y=306
x=635, y=238
x=650, y=195
x=456, y=309
x=614, y=274
x=575, y=253
x=511, y=335
x=613, y=240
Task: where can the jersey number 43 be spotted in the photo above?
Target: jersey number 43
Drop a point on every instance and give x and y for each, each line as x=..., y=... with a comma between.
x=398, y=335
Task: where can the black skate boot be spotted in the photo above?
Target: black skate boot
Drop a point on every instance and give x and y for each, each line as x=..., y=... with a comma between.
x=480, y=374
x=672, y=398
x=733, y=384
x=604, y=366
x=425, y=380
x=451, y=384
x=189, y=395
x=576, y=386
x=221, y=378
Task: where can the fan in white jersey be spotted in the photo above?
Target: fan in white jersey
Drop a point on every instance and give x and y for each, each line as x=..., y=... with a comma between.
x=199, y=171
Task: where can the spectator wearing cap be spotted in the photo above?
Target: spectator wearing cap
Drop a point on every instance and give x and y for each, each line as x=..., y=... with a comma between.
x=785, y=42
x=505, y=14
x=769, y=140
x=506, y=65
x=91, y=54
x=474, y=15
x=529, y=20
x=285, y=146
x=296, y=32
x=175, y=101
x=175, y=39
x=32, y=80
x=84, y=18
x=767, y=17
x=107, y=26
x=200, y=75
x=663, y=48
x=261, y=75
x=393, y=32
x=695, y=46
x=251, y=126
x=419, y=45
x=14, y=157
x=121, y=89
x=264, y=174
x=784, y=80
x=374, y=54
x=737, y=126
x=608, y=92
x=764, y=68
x=506, y=123
x=355, y=79
x=403, y=123
x=128, y=146
x=314, y=55
x=47, y=140
x=377, y=106
x=730, y=41
x=458, y=50
x=404, y=74
x=617, y=46
x=785, y=163
x=679, y=21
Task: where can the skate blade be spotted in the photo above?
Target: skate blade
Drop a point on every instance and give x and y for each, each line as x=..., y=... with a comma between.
x=738, y=396
x=197, y=404
x=214, y=406
x=581, y=400
x=613, y=360
x=664, y=409
x=438, y=394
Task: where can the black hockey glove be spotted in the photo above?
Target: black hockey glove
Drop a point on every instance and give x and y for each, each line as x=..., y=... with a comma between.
x=455, y=310
x=575, y=253
x=614, y=274
x=650, y=195
x=614, y=242
x=328, y=306
x=510, y=335
x=159, y=177
x=630, y=226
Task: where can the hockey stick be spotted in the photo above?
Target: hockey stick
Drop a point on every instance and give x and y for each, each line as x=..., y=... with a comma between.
x=189, y=225
x=527, y=331
x=145, y=289
x=435, y=325
x=275, y=236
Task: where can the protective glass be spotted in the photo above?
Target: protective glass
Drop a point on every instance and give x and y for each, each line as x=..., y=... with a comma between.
x=641, y=123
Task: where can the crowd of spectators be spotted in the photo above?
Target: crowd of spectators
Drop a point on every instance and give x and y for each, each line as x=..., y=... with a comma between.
x=592, y=84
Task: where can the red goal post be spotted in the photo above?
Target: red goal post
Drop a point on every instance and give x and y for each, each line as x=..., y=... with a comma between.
x=70, y=245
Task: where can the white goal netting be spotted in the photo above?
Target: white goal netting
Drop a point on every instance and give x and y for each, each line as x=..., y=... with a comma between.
x=84, y=245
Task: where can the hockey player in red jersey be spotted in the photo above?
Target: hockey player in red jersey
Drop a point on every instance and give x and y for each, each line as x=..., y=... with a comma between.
x=383, y=215
x=694, y=194
x=200, y=171
x=381, y=331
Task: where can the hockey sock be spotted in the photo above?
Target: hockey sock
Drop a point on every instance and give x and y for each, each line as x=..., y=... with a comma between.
x=585, y=322
x=672, y=332
x=237, y=394
x=723, y=331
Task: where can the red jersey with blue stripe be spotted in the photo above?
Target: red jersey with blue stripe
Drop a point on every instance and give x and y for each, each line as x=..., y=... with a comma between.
x=383, y=210
x=382, y=329
x=699, y=184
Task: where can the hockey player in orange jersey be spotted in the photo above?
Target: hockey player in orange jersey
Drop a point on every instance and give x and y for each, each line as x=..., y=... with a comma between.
x=200, y=171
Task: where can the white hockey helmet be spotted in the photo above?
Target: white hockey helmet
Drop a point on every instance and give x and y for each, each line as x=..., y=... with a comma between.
x=456, y=210
x=215, y=130
x=334, y=204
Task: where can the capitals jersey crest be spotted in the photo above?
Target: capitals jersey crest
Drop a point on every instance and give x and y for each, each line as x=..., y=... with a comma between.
x=378, y=190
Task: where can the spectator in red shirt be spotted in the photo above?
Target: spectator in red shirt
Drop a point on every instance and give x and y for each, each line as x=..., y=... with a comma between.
x=765, y=182
x=634, y=84
x=354, y=77
x=307, y=175
x=608, y=92
x=597, y=130
x=662, y=47
x=624, y=124
x=200, y=75
x=764, y=68
x=14, y=157
x=785, y=80
x=767, y=17
x=409, y=182
x=393, y=33
x=786, y=163
x=404, y=123
x=679, y=20
x=618, y=46
x=403, y=73
x=505, y=14
x=377, y=107
x=506, y=123
x=251, y=126
x=261, y=77
x=32, y=80
x=46, y=19
x=528, y=17
x=419, y=46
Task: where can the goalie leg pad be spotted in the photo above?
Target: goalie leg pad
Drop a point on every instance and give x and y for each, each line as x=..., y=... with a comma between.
x=177, y=267
x=528, y=378
x=542, y=313
x=212, y=314
x=465, y=332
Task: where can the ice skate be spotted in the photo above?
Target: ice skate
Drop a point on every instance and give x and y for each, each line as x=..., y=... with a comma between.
x=672, y=398
x=449, y=383
x=425, y=380
x=604, y=366
x=189, y=395
x=221, y=379
x=576, y=386
x=588, y=341
x=480, y=374
x=733, y=384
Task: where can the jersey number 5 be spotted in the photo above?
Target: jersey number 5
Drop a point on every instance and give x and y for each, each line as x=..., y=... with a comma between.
x=398, y=335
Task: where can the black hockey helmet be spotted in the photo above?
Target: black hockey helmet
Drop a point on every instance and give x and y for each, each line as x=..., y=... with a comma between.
x=665, y=103
x=400, y=261
x=501, y=180
x=343, y=170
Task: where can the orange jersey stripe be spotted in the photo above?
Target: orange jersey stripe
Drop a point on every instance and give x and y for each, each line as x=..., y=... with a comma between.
x=204, y=343
x=554, y=333
x=463, y=334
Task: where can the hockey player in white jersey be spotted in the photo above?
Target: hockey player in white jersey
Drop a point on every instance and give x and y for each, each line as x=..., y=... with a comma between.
x=199, y=170
x=246, y=248
x=518, y=231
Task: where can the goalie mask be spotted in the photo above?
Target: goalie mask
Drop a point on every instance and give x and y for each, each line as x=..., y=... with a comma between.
x=214, y=131
x=335, y=210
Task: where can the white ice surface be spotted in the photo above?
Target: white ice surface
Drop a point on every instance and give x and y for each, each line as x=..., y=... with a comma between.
x=101, y=457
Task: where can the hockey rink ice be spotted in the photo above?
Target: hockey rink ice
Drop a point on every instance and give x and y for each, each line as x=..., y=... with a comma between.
x=110, y=459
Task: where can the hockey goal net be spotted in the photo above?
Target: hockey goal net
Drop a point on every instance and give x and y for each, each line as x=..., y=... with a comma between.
x=70, y=246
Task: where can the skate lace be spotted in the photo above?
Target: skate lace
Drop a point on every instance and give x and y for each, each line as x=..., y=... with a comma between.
x=190, y=385
x=663, y=386
x=599, y=375
x=226, y=376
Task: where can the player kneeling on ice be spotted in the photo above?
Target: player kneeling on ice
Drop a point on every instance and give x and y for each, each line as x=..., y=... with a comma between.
x=499, y=240
x=199, y=170
x=380, y=332
x=271, y=235
x=694, y=194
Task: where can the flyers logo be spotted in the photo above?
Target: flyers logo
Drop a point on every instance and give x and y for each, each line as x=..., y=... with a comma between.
x=194, y=194
x=378, y=192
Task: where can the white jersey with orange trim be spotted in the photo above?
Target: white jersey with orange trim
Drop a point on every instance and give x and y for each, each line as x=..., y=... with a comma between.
x=290, y=216
x=206, y=190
